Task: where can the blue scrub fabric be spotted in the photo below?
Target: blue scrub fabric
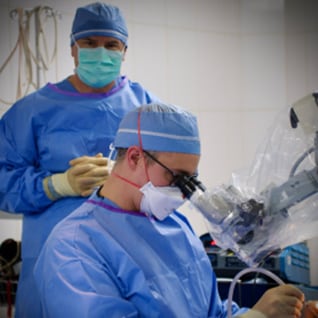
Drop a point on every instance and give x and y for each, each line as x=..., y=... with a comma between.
x=102, y=261
x=39, y=134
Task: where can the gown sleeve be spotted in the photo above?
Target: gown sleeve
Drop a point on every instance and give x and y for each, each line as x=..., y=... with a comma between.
x=84, y=290
x=20, y=172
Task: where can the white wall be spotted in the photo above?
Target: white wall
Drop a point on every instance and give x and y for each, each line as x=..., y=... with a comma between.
x=234, y=63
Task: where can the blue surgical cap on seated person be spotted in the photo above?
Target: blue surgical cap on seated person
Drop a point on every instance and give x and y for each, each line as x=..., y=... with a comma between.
x=99, y=19
x=159, y=127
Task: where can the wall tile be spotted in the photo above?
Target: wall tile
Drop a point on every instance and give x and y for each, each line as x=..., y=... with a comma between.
x=218, y=16
x=181, y=63
x=222, y=146
x=10, y=228
x=262, y=16
x=180, y=14
x=218, y=67
x=150, y=12
x=297, y=18
x=263, y=71
x=296, y=65
x=147, y=59
x=312, y=68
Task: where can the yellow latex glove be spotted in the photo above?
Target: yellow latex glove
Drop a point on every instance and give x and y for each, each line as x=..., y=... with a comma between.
x=85, y=174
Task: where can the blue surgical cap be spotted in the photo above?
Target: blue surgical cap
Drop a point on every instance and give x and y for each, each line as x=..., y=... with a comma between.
x=99, y=19
x=162, y=127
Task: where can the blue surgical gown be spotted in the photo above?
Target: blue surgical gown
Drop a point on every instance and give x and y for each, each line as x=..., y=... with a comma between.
x=102, y=261
x=39, y=134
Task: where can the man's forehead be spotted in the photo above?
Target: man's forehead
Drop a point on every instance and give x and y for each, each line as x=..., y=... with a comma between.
x=99, y=38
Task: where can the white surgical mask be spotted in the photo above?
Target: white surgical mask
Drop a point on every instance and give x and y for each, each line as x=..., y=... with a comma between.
x=160, y=201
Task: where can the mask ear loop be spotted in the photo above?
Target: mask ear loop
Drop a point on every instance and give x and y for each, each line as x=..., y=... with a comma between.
x=140, y=144
x=78, y=50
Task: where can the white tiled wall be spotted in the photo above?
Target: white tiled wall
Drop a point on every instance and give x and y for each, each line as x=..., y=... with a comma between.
x=234, y=63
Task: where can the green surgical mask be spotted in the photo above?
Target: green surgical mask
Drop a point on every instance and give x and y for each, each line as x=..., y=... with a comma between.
x=97, y=67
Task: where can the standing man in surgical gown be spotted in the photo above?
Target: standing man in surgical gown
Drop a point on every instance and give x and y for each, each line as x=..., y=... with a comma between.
x=53, y=142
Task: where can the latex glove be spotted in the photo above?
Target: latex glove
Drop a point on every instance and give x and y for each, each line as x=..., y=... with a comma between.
x=252, y=314
x=282, y=301
x=85, y=174
x=101, y=162
x=310, y=309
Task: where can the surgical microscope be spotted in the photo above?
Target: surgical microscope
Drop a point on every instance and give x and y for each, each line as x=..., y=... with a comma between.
x=254, y=223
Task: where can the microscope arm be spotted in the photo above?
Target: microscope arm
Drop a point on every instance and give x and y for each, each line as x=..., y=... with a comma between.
x=293, y=191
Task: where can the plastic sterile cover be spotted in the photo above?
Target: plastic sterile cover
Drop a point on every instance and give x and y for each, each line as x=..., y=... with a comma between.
x=274, y=203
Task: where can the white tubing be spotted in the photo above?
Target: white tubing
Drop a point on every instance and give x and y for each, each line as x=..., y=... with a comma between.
x=239, y=275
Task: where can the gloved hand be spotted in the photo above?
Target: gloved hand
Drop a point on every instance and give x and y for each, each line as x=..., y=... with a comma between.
x=85, y=174
x=310, y=309
x=282, y=301
x=251, y=314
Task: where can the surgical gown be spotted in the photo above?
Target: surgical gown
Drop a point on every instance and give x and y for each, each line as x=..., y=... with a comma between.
x=39, y=134
x=102, y=261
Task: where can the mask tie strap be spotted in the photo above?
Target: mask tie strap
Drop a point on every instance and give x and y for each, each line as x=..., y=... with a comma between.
x=143, y=158
x=126, y=180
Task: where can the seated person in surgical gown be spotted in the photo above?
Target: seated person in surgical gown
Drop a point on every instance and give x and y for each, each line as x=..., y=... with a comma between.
x=126, y=251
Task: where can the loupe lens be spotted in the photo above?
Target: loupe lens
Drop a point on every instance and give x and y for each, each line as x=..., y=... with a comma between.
x=188, y=184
